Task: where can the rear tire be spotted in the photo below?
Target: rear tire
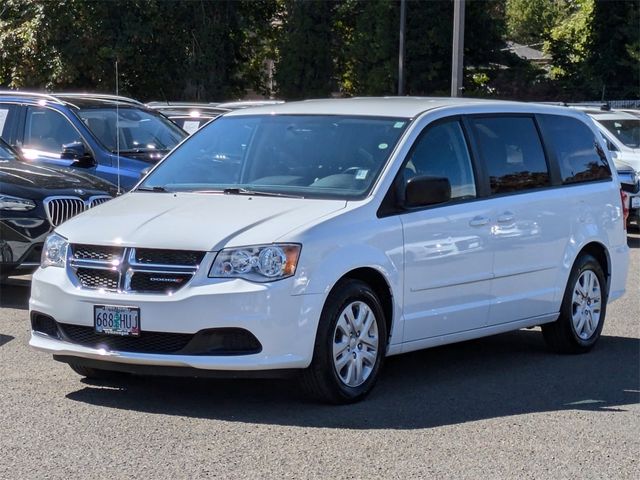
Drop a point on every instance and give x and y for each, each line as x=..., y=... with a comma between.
x=95, y=373
x=583, y=309
x=350, y=345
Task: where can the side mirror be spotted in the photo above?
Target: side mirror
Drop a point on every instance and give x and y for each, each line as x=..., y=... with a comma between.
x=77, y=152
x=423, y=190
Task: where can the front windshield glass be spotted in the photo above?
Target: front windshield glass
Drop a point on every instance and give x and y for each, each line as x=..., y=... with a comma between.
x=325, y=156
x=627, y=131
x=140, y=130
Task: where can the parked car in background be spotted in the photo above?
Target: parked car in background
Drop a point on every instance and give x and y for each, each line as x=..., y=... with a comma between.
x=316, y=238
x=34, y=199
x=192, y=116
x=188, y=116
x=621, y=130
x=110, y=137
x=240, y=104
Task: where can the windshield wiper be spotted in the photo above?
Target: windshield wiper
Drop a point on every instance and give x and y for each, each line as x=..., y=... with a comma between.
x=143, y=150
x=246, y=191
x=152, y=189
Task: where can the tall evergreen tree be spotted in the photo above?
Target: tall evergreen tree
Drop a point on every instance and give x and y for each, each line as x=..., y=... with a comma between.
x=306, y=49
x=613, y=59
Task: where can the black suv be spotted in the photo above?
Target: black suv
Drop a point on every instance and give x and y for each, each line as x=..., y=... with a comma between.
x=79, y=131
x=33, y=200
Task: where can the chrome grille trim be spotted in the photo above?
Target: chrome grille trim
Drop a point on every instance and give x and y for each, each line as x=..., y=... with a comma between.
x=59, y=209
x=125, y=264
x=98, y=200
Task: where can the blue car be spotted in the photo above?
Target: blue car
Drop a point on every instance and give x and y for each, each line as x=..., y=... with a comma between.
x=111, y=137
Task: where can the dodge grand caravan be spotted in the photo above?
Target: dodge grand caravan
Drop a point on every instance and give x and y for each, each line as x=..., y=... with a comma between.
x=316, y=238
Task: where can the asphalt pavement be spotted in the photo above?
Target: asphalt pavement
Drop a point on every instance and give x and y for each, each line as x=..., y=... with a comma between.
x=500, y=407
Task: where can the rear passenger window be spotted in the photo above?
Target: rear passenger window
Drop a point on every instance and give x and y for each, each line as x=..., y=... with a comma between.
x=579, y=155
x=512, y=153
x=442, y=152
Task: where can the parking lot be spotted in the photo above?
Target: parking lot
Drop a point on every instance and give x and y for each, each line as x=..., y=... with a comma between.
x=500, y=407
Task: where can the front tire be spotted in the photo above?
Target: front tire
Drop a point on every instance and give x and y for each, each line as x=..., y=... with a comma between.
x=583, y=309
x=350, y=345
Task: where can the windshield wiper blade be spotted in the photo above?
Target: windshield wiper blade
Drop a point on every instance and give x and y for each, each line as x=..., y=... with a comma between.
x=246, y=191
x=142, y=150
x=152, y=189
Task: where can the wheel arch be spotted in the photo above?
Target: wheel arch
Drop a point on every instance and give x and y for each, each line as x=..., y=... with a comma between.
x=382, y=289
x=601, y=254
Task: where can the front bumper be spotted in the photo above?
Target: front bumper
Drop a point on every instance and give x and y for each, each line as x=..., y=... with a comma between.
x=21, y=241
x=284, y=324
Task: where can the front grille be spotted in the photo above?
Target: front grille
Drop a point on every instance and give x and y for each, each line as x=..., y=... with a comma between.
x=156, y=282
x=94, y=202
x=147, y=342
x=94, y=278
x=44, y=324
x=211, y=341
x=61, y=209
x=97, y=252
x=168, y=257
x=139, y=270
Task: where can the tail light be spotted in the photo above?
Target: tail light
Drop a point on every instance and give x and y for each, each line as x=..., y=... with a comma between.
x=624, y=198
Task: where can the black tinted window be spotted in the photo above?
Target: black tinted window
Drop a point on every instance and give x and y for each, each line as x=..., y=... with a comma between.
x=579, y=156
x=512, y=153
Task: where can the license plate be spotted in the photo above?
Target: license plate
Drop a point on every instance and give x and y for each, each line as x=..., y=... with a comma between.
x=116, y=320
x=635, y=202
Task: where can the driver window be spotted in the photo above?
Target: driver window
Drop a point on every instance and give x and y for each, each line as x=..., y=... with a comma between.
x=442, y=151
x=47, y=130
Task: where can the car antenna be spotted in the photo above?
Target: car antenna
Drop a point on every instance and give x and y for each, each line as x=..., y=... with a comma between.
x=117, y=131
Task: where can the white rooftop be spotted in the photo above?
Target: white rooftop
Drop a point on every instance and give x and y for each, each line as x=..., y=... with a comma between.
x=401, y=107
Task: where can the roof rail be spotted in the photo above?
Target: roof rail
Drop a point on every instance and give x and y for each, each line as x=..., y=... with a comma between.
x=43, y=96
x=101, y=96
x=599, y=105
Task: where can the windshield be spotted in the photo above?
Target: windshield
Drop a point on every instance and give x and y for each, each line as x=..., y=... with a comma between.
x=140, y=130
x=627, y=131
x=300, y=155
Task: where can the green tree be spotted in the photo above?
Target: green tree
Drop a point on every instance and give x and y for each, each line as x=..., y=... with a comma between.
x=369, y=54
x=530, y=21
x=191, y=50
x=305, y=65
x=613, y=58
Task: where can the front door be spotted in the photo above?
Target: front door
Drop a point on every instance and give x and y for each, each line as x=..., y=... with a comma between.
x=448, y=254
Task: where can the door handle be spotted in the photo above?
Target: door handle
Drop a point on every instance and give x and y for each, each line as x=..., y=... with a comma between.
x=506, y=217
x=479, y=221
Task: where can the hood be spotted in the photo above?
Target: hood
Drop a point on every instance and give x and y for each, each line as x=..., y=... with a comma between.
x=630, y=159
x=39, y=181
x=193, y=221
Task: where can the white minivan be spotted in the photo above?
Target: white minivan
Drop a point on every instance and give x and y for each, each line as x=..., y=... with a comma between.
x=316, y=238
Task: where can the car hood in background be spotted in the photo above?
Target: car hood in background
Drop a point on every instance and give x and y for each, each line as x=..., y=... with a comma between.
x=193, y=221
x=41, y=181
x=629, y=159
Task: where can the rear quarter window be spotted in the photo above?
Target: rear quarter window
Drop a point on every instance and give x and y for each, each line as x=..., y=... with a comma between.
x=577, y=151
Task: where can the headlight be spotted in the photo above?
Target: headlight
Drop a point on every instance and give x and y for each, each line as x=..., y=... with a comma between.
x=259, y=263
x=8, y=202
x=54, y=252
